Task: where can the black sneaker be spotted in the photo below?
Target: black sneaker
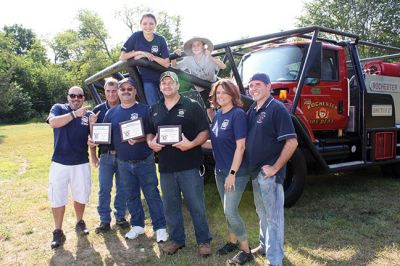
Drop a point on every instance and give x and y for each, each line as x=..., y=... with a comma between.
x=103, y=228
x=241, y=258
x=81, y=229
x=58, y=238
x=229, y=247
x=121, y=222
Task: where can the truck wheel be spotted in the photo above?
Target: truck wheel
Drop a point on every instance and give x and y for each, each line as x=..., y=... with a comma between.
x=296, y=172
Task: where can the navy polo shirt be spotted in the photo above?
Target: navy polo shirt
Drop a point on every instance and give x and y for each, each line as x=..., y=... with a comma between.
x=70, y=141
x=192, y=119
x=268, y=130
x=158, y=47
x=103, y=108
x=226, y=129
x=125, y=151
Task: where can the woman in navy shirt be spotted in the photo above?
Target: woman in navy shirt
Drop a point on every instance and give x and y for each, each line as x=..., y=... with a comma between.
x=228, y=138
x=147, y=44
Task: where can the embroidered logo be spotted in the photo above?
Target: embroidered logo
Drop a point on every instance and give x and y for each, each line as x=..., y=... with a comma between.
x=134, y=116
x=154, y=49
x=181, y=113
x=84, y=121
x=215, y=129
x=261, y=117
x=225, y=124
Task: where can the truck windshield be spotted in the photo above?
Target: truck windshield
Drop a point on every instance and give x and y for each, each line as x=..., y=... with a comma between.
x=280, y=63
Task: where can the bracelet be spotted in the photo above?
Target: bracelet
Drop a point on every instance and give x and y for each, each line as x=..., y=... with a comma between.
x=73, y=115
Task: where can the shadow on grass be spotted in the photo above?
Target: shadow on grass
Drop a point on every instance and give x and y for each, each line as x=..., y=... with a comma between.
x=2, y=137
x=345, y=219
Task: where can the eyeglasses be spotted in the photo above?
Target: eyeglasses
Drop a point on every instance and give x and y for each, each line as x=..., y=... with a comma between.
x=129, y=89
x=73, y=96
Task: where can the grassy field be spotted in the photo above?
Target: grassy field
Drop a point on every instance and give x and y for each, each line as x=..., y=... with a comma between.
x=347, y=219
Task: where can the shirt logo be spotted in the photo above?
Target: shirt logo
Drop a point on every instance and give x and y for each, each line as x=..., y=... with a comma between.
x=181, y=113
x=261, y=117
x=134, y=116
x=225, y=124
x=154, y=49
x=84, y=121
x=215, y=129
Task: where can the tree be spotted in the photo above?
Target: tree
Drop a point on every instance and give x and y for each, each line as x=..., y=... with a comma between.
x=376, y=21
x=24, y=37
x=167, y=25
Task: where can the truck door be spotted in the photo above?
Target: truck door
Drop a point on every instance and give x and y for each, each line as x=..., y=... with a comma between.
x=325, y=104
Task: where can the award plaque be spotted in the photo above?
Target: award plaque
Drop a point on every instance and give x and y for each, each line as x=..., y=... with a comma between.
x=131, y=129
x=101, y=133
x=169, y=134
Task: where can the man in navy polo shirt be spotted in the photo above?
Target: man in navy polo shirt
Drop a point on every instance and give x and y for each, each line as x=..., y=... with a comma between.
x=108, y=166
x=271, y=141
x=179, y=163
x=136, y=164
x=70, y=161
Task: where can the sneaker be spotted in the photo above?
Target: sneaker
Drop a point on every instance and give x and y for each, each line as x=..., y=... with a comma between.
x=162, y=235
x=103, y=228
x=80, y=228
x=121, y=222
x=171, y=247
x=258, y=251
x=229, y=247
x=204, y=250
x=134, y=232
x=58, y=238
x=241, y=258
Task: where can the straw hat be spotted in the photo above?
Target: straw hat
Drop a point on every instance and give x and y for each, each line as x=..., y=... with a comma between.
x=187, y=47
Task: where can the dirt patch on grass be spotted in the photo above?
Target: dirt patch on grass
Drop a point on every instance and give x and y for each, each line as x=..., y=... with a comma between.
x=24, y=165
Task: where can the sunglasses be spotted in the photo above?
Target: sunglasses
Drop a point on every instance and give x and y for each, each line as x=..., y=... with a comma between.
x=73, y=96
x=126, y=89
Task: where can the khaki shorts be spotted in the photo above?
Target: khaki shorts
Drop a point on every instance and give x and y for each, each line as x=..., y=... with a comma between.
x=78, y=176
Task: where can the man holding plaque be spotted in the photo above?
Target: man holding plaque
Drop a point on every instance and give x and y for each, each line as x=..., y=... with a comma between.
x=178, y=128
x=136, y=163
x=108, y=167
x=70, y=162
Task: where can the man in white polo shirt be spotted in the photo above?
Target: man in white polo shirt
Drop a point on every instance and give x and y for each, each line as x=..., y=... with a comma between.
x=70, y=162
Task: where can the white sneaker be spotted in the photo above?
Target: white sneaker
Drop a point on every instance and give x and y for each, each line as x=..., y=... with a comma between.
x=162, y=235
x=134, y=232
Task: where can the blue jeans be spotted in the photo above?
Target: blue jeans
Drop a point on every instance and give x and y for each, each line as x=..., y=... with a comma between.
x=142, y=175
x=269, y=199
x=230, y=202
x=151, y=92
x=108, y=167
x=191, y=185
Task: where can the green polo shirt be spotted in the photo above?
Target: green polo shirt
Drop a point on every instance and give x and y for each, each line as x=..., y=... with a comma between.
x=192, y=118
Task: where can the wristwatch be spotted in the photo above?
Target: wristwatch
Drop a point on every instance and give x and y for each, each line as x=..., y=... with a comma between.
x=232, y=172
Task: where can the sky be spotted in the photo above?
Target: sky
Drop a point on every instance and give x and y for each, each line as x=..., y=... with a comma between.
x=218, y=20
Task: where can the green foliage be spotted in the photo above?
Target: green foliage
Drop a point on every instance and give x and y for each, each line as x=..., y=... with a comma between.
x=25, y=38
x=376, y=21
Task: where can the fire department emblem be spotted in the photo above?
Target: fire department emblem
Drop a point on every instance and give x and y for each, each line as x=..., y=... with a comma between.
x=322, y=113
x=224, y=124
x=181, y=113
x=134, y=116
x=84, y=121
x=261, y=117
x=154, y=49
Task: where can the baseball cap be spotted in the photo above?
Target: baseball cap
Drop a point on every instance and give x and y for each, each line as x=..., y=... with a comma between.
x=261, y=77
x=127, y=80
x=170, y=74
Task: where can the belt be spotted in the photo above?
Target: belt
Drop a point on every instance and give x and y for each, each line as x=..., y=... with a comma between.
x=135, y=161
x=113, y=152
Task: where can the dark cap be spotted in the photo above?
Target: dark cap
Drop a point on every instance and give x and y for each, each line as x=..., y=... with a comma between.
x=127, y=80
x=261, y=77
x=170, y=74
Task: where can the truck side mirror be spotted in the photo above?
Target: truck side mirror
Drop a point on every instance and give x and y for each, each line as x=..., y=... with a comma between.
x=316, y=61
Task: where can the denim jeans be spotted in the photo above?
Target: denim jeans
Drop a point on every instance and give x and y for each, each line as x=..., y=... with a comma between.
x=191, y=185
x=269, y=199
x=230, y=202
x=151, y=92
x=142, y=175
x=108, y=167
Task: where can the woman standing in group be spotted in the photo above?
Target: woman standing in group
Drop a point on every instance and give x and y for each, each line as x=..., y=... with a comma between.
x=147, y=44
x=228, y=138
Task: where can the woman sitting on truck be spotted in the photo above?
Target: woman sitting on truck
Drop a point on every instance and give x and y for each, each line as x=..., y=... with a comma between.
x=147, y=44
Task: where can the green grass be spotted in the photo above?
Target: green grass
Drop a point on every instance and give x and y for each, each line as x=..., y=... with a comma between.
x=344, y=219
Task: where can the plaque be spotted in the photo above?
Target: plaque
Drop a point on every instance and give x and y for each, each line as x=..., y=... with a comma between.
x=101, y=133
x=131, y=129
x=169, y=134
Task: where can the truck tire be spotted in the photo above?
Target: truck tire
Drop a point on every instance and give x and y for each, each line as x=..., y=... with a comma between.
x=296, y=172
